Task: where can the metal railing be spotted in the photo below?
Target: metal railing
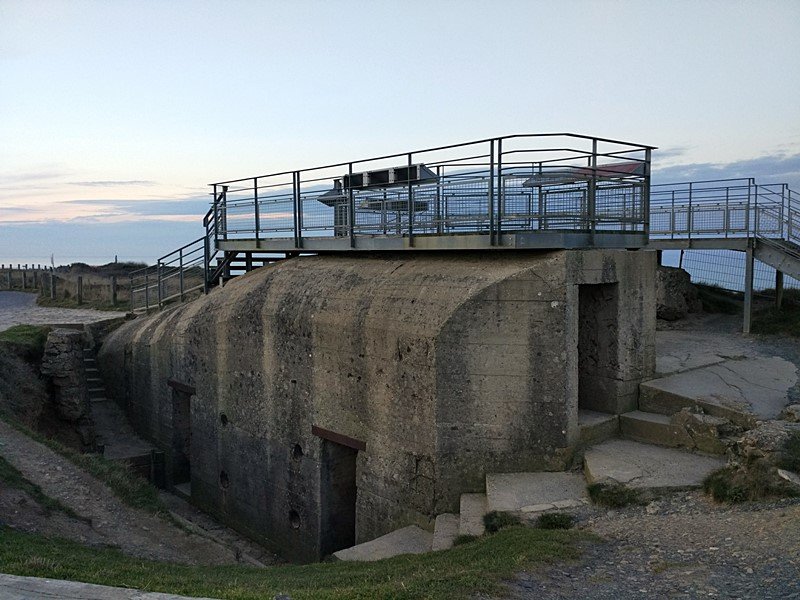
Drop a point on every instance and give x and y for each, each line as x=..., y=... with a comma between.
x=506, y=184
x=173, y=277
x=725, y=208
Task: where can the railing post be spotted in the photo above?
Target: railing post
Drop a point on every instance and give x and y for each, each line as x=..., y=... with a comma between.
x=689, y=214
x=296, y=207
x=439, y=224
x=133, y=304
x=80, y=290
x=756, y=223
x=491, y=193
x=500, y=192
x=351, y=208
x=180, y=272
x=206, y=262
x=747, y=207
x=146, y=289
x=214, y=217
x=224, y=212
x=158, y=281
x=592, y=199
x=256, y=215
x=410, y=204
x=727, y=223
x=113, y=290
x=52, y=283
x=646, y=192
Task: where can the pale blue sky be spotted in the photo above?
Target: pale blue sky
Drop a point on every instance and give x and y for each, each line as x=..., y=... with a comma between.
x=137, y=105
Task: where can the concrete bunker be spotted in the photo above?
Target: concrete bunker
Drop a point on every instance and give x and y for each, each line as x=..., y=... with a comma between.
x=363, y=393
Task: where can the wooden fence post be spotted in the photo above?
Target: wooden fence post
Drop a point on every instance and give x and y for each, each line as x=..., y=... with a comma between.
x=80, y=289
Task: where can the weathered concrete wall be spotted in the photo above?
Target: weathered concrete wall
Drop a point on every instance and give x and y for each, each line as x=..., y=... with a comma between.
x=444, y=366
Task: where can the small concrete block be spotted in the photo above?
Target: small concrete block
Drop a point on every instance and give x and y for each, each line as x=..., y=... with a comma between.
x=445, y=531
x=408, y=540
x=643, y=466
x=509, y=492
x=473, y=508
x=562, y=504
x=652, y=428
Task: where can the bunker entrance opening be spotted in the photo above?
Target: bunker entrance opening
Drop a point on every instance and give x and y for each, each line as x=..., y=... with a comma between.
x=598, y=331
x=181, y=438
x=338, y=497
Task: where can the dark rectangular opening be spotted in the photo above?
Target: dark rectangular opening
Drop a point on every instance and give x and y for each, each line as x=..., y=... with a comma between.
x=337, y=497
x=597, y=347
x=181, y=450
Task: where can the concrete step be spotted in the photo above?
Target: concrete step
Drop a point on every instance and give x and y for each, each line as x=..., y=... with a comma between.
x=445, y=531
x=99, y=399
x=92, y=372
x=534, y=492
x=99, y=392
x=473, y=508
x=653, y=428
x=596, y=427
x=408, y=540
x=647, y=467
x=93, y=381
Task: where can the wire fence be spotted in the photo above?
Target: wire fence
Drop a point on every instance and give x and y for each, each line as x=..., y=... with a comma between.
x=726, y=269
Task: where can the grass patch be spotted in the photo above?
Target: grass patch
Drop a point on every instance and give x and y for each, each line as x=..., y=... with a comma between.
x=555, y=521
x=495, y=521
x=130, y=488
x=73, y=303
x=756, y=481
x=783, y=321
x=464, y=538
x=614, y=495
x=717, y=300
x=29, y=339
x=461, y=572
x=11, y=477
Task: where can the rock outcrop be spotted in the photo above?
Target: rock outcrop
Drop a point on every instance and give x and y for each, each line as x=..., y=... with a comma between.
x=675, y=294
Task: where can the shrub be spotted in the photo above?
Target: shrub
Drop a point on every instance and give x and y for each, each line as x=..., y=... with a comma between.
x=555, y=521
x=464, y=539
x=790, y=457
x=495, y=521
x=614, y=495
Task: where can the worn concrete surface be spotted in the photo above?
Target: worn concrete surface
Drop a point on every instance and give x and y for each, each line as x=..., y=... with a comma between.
x=511, y=492
x=441, y=367
x=19, y=308
x=14, y=587
x=408, y=540
x=758, y=386
x=596, y=426
x=643, y=466
x=473, y=508
x=445, y=531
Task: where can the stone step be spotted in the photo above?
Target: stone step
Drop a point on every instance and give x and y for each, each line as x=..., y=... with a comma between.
x=534, y=492
x=99, y=399
x=445, y=531
x=647, y=467
x=596, y=427
x=408, y=540
x=653, y=428
x=472, y=509
x=93, y=371
x=93, y=381
x=98, y=392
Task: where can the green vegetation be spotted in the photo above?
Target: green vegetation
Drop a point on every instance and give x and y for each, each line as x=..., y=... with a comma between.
x=73, y=303
x=11, y=477
x=130, y=488
x=495, y=521
x=717, y=300
x=756, y=481
x=784, y=321
x=790, y=457
x=464, y=571
x=464, y=538
x=614, y=495
x=555, y=521
x=27, y=339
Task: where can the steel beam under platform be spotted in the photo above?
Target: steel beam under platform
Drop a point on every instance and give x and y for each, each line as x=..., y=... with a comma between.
x=544, y=240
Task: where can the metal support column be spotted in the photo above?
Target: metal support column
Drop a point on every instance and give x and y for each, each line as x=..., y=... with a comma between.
x=748, y=288
x=491, y=193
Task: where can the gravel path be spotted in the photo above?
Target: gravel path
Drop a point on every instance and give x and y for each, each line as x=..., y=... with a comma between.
x=111, y=522
x=20, y=308
x=684, y=546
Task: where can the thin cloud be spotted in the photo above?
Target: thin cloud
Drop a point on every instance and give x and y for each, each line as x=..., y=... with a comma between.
x=773, y=168
x=112, y=183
